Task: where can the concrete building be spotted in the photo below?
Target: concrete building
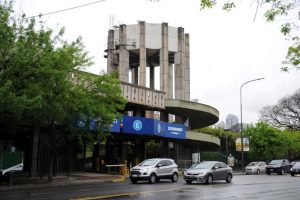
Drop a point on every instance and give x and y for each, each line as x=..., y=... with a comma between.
x=153, y=64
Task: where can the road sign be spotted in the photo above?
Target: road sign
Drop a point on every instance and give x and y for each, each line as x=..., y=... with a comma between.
x=11, y=161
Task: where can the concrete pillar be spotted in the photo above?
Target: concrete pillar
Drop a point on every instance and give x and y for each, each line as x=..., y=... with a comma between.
x=164, y=60
x=164, y=116
x=180, y=66
x=123, y=55
x=110, y=52
x=139, y=112
x=142, y=76
x=152, y=78
x=135, y=76
x=187, y=68
x=171, y=96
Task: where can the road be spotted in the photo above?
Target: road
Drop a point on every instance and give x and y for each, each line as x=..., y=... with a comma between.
x=242, y=187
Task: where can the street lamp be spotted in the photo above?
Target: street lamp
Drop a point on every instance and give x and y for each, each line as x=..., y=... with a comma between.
x=242, y=142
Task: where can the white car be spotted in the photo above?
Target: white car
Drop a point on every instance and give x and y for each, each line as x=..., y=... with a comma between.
x=256, y=167
x=155, y=169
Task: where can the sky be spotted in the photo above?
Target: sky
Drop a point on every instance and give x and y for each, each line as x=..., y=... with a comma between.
x=227, y=49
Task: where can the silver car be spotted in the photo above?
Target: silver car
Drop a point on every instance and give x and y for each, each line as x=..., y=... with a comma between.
x=207, y=172
x=154, y=169
x=256, y=168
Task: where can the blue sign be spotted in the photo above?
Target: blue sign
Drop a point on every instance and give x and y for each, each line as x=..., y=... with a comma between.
x=148, y=126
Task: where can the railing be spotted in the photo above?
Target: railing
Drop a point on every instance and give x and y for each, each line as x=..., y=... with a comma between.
x=143, y=95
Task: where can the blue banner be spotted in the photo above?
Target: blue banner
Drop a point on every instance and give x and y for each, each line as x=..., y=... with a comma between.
x=148, y=126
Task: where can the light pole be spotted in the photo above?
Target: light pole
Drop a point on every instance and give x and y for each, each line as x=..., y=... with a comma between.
x=242, y=142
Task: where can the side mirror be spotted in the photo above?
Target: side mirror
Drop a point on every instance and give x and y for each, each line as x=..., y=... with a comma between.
x=159, y=165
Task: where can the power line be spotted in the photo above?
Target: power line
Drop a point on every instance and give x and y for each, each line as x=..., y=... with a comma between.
x=67, y=9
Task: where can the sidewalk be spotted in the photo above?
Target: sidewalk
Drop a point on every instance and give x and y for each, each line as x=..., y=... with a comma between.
x=79, y=178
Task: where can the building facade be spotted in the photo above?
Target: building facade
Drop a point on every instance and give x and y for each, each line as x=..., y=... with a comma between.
x=152, y=62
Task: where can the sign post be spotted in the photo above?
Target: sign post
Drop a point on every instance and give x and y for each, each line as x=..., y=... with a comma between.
x=11, y=162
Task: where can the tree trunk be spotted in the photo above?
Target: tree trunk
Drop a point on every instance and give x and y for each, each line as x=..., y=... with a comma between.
x=34, y=153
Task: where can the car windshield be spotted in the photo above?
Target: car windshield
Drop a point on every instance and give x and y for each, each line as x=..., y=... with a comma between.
x=275, y=162
x=203, y=165
x=252, y=164
x=297, y=164
x=148, y=162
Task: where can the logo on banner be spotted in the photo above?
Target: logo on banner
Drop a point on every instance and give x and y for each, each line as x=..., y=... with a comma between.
x=137, y=125
x=158, y=128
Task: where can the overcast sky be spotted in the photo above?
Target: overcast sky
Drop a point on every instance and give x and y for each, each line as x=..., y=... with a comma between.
x=226, y=49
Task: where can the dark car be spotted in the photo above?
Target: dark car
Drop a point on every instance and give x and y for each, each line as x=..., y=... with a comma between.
x=207, y=172
x=295, y=169
x=278, y=166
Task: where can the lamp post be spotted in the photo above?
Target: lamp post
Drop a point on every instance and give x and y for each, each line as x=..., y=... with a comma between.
x=242, y=142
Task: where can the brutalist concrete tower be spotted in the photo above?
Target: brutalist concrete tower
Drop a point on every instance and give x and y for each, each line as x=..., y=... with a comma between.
x=153, y=64
x=134, y=48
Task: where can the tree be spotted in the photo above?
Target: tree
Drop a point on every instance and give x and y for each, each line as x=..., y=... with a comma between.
x=227, y=137
x=285, y=114
x=37, y=88
x=266, y=142
x=276, y=8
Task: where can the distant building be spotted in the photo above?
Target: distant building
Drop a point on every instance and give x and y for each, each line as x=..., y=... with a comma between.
x=231, y=120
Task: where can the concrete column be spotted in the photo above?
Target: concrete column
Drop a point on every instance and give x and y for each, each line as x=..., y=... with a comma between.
x=123, y=55
x=180, y=66
x=152, y=78
x=171, y=96
x=135, y=76
x=187, y=68
x=110, y=52
x=164, y=116
x=164, y=60
x=139, y=112
x=142, y=76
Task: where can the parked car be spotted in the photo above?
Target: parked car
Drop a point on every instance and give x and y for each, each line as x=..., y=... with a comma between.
x=295, y=169
x=278, y=166
x=154, y=169
x=256, y=167
x=207, y=172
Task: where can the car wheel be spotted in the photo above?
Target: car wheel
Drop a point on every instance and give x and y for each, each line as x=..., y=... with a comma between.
x=229, y=178
x=152, y=178
x=175, y=177
x=258, y=171
x=133, y=180
x=188, y=181
x=292, y=174
x=209, y=179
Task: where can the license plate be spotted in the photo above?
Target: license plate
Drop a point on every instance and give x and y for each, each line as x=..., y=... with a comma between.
x=134, y=175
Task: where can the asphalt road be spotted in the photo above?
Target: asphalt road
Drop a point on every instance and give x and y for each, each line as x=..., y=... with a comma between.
x=242, y=187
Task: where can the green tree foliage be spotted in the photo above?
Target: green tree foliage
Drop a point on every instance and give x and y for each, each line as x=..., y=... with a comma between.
x=227, y=137
x=37, y=84
x=266, y=142
x=294, y=143
x=275, y=8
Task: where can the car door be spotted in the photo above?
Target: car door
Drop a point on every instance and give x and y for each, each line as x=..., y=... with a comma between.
x=216, y=172
x=160, y=168
x=169, y=167
x=262, y=167
x=223, y=171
